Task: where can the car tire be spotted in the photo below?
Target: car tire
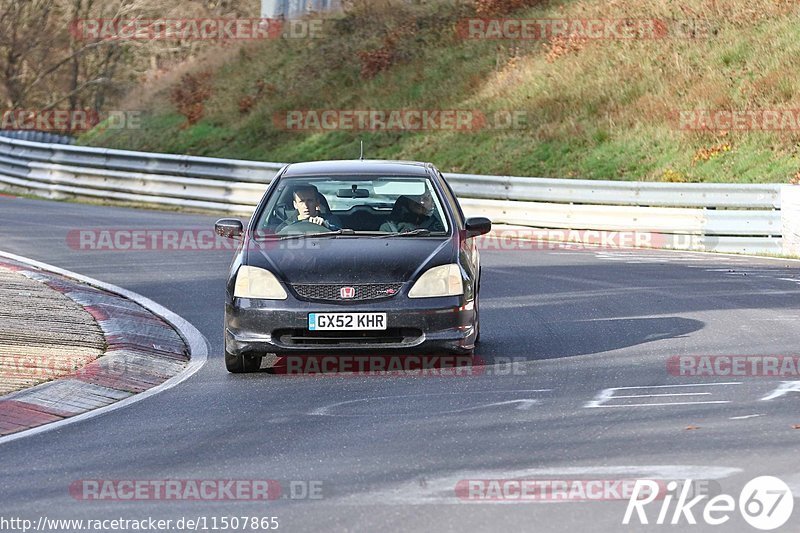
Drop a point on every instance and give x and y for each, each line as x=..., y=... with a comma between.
x=477, y=308
x=240, y=364
x=477, y=321
x=464, y=352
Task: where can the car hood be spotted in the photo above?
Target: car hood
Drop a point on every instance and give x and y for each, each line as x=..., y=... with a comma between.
x=350, y=259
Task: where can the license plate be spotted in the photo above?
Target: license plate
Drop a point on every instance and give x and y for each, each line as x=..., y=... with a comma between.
x=345, y=321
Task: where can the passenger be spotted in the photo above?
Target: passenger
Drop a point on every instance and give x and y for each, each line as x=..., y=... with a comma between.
x=410, y=213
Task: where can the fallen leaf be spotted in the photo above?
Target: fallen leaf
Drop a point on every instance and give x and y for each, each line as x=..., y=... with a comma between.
x=796, y=426
x=690, y=427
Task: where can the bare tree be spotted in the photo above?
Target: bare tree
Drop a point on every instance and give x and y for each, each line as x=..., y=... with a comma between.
x=23, y=38
x=45, y=65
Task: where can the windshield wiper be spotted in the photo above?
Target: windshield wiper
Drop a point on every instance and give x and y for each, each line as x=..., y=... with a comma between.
x=317, y=234
x=410, y=233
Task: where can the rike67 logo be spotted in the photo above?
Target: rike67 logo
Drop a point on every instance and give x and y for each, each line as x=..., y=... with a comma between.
x=766, y=503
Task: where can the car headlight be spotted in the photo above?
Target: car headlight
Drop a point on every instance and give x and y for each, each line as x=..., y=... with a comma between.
x=252, y=282
x=443, y=280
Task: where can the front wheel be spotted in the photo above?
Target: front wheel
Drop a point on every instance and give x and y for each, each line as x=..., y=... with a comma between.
x=478, y=310
x=477, y=322
x=239, y=364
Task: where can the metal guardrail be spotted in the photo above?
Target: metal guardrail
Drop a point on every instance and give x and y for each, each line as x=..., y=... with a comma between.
x=745, y=218
x=704, y=195
x=37, y=136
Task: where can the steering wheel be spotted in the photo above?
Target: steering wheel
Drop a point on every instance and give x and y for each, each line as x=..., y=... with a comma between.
x=303, y=226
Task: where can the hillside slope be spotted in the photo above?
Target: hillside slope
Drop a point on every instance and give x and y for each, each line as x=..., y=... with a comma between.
x=597, y=108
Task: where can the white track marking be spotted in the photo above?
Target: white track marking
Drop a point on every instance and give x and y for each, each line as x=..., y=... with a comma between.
x=660, y=404
x=784, y=388
x=522, y=403
x=607, y=395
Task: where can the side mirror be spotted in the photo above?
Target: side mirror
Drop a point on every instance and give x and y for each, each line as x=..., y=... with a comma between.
x=478, y=226
x=229, y=227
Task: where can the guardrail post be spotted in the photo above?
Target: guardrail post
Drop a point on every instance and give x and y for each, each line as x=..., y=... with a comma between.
x=790, y=219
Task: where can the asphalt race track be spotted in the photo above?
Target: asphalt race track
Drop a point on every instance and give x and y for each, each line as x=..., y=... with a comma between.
x=386, y=453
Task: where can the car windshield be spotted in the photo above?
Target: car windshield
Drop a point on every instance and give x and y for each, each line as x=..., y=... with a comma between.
x=401, y=206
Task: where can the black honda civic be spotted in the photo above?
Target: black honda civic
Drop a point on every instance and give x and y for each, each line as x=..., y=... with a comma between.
x=353, y=257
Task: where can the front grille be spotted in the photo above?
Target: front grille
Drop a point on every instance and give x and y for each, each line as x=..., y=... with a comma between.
x=332, y=293
x=391, y=336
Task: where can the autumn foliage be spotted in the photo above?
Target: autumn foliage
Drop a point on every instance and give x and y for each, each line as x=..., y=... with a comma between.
x=495, y=8
x=190, y=95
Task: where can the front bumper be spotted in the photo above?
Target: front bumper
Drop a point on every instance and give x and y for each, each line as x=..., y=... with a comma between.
x=424, y=325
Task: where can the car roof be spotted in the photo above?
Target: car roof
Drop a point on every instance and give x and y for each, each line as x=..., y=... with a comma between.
x=357, y=166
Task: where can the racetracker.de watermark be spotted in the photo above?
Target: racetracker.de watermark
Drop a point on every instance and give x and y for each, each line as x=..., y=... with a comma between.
x=371, y=365
x=378, y=120
x=519, y=490
x=769, y=366
x=411, y=120
x=543, y=239
x=148, y=239
x=583, y=28
x=195, y=489
x=512, y=239
x=45, y=367
x=738, y=120
x=200, y=29
x=65, y=120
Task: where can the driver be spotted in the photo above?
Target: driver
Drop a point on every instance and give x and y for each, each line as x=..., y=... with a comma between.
x=306, y=202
